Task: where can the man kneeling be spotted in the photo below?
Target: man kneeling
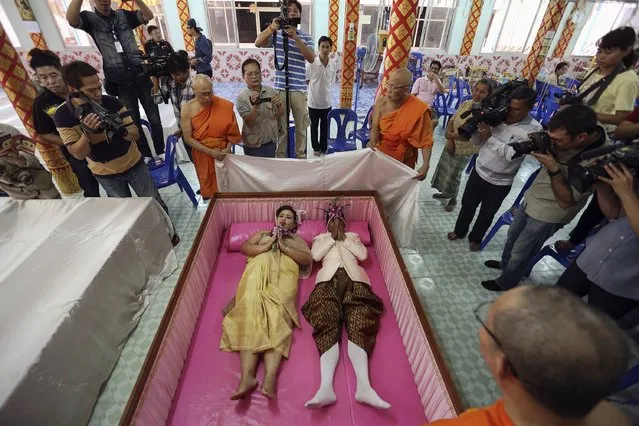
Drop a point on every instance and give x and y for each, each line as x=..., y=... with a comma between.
x=342, y=295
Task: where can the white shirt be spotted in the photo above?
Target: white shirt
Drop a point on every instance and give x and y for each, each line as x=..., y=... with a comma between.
x=320, y=78
x=494, y=162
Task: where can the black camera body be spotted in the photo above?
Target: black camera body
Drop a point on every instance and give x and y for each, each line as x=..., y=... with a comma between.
x=284, y=20
x=110, y=122
x=492, y=111
x=155, y=64
x=581, y=177
x=536, y=142
x=569, y=98
x=261, y=101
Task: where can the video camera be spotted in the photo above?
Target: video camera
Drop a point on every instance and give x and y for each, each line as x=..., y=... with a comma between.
x=492, y=110
x=284, y=20
x=110, y=122
x=155, y=64
x=582, y=177
x=261, y=101
x=536, y=142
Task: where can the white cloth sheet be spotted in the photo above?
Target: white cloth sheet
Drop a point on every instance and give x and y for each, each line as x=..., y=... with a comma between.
x=357, y=170
x=75, y=276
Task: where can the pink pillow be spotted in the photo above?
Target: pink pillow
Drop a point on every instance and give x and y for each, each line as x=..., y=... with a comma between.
x=240, y=232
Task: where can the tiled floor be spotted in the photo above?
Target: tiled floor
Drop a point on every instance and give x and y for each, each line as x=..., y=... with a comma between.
x=446, y=275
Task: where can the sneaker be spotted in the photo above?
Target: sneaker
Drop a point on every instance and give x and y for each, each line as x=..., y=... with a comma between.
x=494, y=264
x=492, y=285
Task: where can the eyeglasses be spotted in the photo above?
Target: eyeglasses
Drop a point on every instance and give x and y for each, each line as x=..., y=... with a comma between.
x=481, y=314
x=390, y=86
x=253, y=74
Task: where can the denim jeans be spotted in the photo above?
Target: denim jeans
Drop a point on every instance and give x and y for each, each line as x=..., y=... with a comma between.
x=129, y=96
x=267, y=150
x=526, y=236
x=140, y=180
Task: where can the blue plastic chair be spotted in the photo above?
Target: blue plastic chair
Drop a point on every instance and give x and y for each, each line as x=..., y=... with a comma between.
x=445, y=107
x=548, y=108
x=565, y=257
x=169, y=172
x=471, y=164
x=290, y=142
x=364, y=133
x=507, y=217
x=341, y=142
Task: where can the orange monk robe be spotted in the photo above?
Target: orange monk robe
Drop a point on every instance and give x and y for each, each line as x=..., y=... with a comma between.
x=214, y=127
x=493, y=415
x=405, y=130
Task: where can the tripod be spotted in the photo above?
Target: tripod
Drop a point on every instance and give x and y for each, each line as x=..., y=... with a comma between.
x=284, y=68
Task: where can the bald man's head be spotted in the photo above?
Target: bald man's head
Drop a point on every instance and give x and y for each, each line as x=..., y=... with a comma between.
x=398, y=84
x=202, y=88
x=402, y=76
x=566, y=355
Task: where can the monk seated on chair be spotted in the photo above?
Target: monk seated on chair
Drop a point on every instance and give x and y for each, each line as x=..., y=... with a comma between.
x=209, y=127
x=401, y=123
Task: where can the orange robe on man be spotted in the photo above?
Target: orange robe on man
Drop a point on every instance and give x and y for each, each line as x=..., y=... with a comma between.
x=405, y=130
x=493, y=415
x=214, y=127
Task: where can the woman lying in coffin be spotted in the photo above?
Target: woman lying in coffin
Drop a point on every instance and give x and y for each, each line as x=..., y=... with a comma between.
x=259, y=320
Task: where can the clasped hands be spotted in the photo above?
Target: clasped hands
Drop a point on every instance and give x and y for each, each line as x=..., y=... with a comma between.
x=216, y=153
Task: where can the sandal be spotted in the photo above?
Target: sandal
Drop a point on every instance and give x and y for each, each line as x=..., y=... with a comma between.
x=440, y=196
x=452, y=203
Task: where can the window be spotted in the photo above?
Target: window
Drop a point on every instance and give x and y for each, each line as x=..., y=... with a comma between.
x=70, y=36
x=434, y=18
x=603, y=18
x=373, y=16
x=513, y=25
x=158, y=19
x=6, y=23
x=237, y=23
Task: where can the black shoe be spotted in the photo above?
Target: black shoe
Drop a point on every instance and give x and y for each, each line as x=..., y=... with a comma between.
x=494, y=264
x=197, y=192
x=491, y=285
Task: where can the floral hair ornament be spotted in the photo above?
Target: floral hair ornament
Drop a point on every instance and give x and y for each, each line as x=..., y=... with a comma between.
x=335, y=212
x=281, y=231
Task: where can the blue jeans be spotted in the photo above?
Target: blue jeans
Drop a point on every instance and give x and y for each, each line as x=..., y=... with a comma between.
x=140, y=180
x=266, y=150
x=526, y=236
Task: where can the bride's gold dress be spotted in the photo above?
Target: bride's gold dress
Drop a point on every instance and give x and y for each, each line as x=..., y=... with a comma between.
x=264, y=313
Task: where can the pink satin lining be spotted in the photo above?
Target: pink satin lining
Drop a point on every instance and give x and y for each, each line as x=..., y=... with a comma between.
x=161, y=385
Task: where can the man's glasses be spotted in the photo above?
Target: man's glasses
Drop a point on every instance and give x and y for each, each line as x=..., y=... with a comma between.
x=481, y=314
x=253, y=74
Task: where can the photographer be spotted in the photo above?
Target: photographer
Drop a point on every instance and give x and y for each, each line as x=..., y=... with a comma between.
x=47, y=67
x=607, y=270
x=125, y=77
x=156, y=46
x=300, y=50
x=201, y=62
x=116, y=162
x=550, y=202
x=177, y=86
x=260, y=107
x=495, y=169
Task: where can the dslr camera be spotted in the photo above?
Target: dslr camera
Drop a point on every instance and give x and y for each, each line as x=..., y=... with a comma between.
x=581, y=177
x=536, y=142
x=110, y=122
x=492, y=111
x=261, y=101
x=284, y=20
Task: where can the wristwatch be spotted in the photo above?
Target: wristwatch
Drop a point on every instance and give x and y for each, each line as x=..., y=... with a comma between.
x=551, y=174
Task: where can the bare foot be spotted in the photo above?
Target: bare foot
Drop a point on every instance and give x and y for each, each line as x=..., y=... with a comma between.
x=474, y=246
x=268, y=387
x=370, y=397
x=452, y=236
x=244, y=388
x=452, y=203
x=322, y=398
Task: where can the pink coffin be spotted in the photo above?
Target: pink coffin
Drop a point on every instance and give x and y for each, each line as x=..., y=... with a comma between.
x=187, y=380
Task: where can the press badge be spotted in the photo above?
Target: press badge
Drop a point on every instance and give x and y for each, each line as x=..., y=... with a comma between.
x=118, y=46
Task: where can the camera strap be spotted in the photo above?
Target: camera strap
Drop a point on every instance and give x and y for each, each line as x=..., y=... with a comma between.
x=601, y=85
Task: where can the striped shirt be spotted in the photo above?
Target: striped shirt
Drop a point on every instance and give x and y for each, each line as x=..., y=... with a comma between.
x=296, y=62
x=494, y=162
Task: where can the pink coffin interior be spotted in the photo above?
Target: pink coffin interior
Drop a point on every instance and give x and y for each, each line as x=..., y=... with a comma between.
x=187, y=380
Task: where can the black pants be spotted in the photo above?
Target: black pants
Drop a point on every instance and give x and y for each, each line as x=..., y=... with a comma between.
x=478, y=191
x=80, y=168
x=129, y=96
x=590, y=218
x=576, y=280
x=319, y=117
x=207, y=72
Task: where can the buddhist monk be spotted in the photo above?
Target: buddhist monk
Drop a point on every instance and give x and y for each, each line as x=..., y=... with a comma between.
x=553, y=357
x=209, y=126
x=401, y=123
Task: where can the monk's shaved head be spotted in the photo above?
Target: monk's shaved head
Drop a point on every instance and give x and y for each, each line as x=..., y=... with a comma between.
x=202, y=82
x=401, y=77
x=567, y=355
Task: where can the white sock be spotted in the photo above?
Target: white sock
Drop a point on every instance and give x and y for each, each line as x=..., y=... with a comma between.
x=325, y=395
x=364, y=394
